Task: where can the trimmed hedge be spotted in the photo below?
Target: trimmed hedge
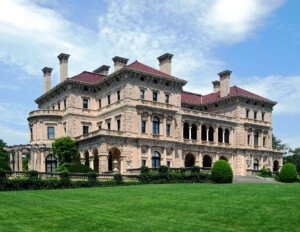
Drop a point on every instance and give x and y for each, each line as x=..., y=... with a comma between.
x=288, y=173
x=80, y=168
x=266, y=172
x=221, y=172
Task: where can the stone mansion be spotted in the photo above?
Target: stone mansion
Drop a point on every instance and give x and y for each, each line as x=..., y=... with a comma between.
x=140, y=116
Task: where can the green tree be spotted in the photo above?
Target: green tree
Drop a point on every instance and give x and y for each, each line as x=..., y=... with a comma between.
x=293, y=158
x=4, y=155
x=278, y=144
x=65, y=149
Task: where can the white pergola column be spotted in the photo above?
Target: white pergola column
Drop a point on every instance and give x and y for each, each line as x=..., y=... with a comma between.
x=190, y=132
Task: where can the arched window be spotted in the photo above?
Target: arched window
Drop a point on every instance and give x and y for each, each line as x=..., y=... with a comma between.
x=255, y=138
x=155, y=125
x=186, y=130
x=226, y=136
x=155, y=159
x=51, y=163
x=220, y=135
x=194, y=132
x=211, y=134
x=189, y=160
x=275, y=166
x=203, y=133
x=224, y=158
x=255, y=164
x=206, y=161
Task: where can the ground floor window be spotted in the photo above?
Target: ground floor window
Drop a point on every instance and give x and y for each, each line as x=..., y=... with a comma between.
x=255, y=164
x=155, y=159
x=189, y=160
x=275, y=166
x=206, y=161
x=143, y=163
x=51, y=163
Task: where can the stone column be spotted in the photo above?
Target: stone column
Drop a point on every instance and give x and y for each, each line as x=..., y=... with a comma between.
x=165, y=126
x=199, y=133
x=164, y=157
x=11, y=164
x=20, y=160
x=223, y=136
x=190, y=132
x=207, y=134
x=103, y=163
x=91, y=159
x=149, y=124
x=16, y=160
x=38, y=160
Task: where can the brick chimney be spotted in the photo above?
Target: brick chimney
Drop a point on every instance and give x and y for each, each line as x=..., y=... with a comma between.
x=119, y=62
x=47, y=78
x=224, y=83
x=63, y=61
x=216, y=85
x=103, y=70
x=165, y=63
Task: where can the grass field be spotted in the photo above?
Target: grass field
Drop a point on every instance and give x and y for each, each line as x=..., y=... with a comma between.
x=172, y=207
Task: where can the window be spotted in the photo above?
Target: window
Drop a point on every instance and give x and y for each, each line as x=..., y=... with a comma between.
x=167, y=99
x=53, y=107
x=143, y=163
x=58, y=105
x=51, y=163
x=119, y=124
x=155, y=125
x=264, y=141
x=255, y=115
x=31, y=134
x=154, y=81
x=168, y=163
x=255, y=138
x=168, y=129
x=154, y=96
x=247, y=113
x=108, y=99
x=143, y=126
x=108, y=126
x=255, y=164
x=85, y=130
x=50, y=132
x=142, y=94
x=249, y=138
x=65, y=103
x=142, y=78
x=99, y=127
x=119, y=95
x=262, y=116
x=99, y=101
x=85, y=103
x=155, y=159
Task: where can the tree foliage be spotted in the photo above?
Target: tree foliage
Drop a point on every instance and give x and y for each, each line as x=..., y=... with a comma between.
x=278, y=144
x=4, y=155
x=293, y=158
x=65, y=149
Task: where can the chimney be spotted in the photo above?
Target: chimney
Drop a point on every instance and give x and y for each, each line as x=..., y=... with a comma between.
x=47, y=78
x=103, y=70
x=63, y=61
x=119, y=62
x=216, y=85
x=224, y=83
x=165, y=63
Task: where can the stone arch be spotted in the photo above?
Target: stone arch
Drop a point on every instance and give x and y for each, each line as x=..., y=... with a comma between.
x=223, y=157
x=194, y=131
x=207, y=161
x=275, y=166
x=186, y=130
x=86, y=158
x=96, y=160
x=114, y=154
x=189, y=160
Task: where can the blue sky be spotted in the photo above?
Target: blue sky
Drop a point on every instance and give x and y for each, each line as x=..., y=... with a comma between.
x=258, y=40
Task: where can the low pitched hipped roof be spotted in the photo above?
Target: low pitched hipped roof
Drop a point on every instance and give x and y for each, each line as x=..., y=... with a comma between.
x=88, y=77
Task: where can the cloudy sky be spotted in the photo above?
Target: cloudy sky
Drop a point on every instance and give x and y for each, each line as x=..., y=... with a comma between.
x=259, y=40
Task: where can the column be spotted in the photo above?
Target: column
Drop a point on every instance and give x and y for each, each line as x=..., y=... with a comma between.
x=199, y=133
x=11, y=164
x=149, y=124
x=190, y=132
x=91, y=159
x=164, y=157
x=103, y=163
x=165, y=126
x=20, y=160
x=207, y=133
x=16, y=160
x=200, y=159
x=38, y=160
x=223, y=136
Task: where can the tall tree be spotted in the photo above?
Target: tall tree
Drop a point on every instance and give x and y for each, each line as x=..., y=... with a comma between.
x=4, y=155
x=65, y=149
x=293, y=158
x=278, y=144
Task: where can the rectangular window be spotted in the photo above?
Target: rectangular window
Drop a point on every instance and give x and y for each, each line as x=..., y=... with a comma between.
x=262, y=116
x=264, y=141
x=247, y=113
x=142, y=94
x=53, y=107
x=85, y=130
x=108, y=126
x=168, y=129
x=108, y=99
x=31, y=133
x=50, y=132
x=143, y=163
x=155, y=81
x=65, y=103
x=99, y=101
x=154, y=96
x=99, y=127
x=143, y=126
x=58, y=105
x=255, y=115
x=119, y=124
x=85, y=103
x=119, y=95
x=167, y=99
x=168, y=163
x=249, y=138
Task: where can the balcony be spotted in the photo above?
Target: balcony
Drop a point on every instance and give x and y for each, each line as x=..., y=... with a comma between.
x=43, y=113
x=155, y=104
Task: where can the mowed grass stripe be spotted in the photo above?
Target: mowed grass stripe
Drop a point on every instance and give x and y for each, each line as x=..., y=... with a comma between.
x=171, y=207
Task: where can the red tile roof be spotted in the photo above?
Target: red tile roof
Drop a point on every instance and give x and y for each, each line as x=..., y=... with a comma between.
x=142, y=67
x=196, y=98
x=88, y=77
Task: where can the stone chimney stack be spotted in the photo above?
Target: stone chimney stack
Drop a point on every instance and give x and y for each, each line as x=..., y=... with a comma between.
x=225, y=83
x=47, y=78
x=119, y=62
x=165, y=63
x=103, y=70
x=63, y=61
x=216, y=85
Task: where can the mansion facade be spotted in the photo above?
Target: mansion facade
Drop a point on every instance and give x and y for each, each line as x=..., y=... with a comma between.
x=140, y=116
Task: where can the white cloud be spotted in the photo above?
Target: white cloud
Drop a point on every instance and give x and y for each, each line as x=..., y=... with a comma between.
x=13, y=136
x=13, y=113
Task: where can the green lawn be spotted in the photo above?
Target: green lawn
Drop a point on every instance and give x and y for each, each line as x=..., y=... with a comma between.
x=171, y=207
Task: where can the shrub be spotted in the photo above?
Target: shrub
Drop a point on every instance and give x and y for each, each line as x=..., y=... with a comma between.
x=195, y=169
x=221, y=172
x=182, y=170
x=4, y=165
x=266, y=172
x=163, y=169
x=118, y=178
x=2, y=174
x=288, y=173
x=63, y=167
x=144, y=169
x=32, y=174
x=92, y=176
x=64, y=175
x=79, y=168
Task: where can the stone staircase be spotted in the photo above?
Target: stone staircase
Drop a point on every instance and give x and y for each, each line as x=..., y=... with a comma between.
x=254, y=179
